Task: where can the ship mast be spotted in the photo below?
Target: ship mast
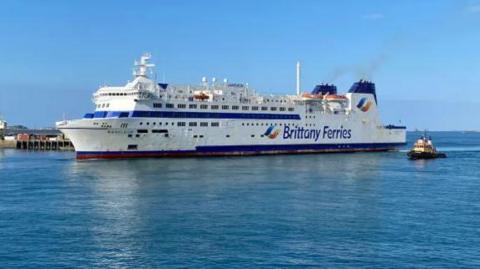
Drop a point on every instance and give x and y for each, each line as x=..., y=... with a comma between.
x=298, y=78
x=142, y=67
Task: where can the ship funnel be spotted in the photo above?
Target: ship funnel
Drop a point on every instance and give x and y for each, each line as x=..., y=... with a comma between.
x=325, y=89
x=364, y=86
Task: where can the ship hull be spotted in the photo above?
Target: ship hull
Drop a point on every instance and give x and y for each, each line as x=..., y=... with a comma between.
x=234, y=139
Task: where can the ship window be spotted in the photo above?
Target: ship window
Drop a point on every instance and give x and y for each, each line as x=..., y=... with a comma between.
x=214, y=124
x=192, y=106
x=244, y=107
x=203, y=106
x=264, y=108
x=252, y=136
x=290, y=109
x=201, y=136
x=160, y=131
x=282, y=108
x=129, y=135
x=157, y=105
x=273, y=108
x=235, y=107
x=181, y=106
x=180, y=123
x=214, y=107
x=203, y=124
x=195, y=136
x=192, y=124
x=169, y=105
x=141, y=123
x=227, y=136
x=224, y=107
x=254, y=107
x=142, y=131
x=132, y=147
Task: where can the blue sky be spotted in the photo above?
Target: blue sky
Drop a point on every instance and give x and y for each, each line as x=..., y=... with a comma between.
x=423, y=55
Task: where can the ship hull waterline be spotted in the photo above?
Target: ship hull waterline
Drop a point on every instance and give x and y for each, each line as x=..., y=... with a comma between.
x=213, y=151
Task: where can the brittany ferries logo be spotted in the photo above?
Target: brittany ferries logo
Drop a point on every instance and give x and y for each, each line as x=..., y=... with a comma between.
x=363, y=105
x=271, y=133
x=325, y=133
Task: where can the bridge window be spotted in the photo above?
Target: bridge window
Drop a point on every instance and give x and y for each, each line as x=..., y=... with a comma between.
x=273, y=108
x=224, y=107
x=192, y=124
x=203, y=106
x=193, y=106
x=244, y=107
x=282, y=108
x=235, y=107
x=169, y=105
x=214, y=106
x=264, y=108
x=181, y=106
x=204, y=124
x=214, y=124
x=254, y=107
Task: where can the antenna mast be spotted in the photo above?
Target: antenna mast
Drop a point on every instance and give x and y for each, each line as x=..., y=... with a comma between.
x=142, y=67
x=298, y=78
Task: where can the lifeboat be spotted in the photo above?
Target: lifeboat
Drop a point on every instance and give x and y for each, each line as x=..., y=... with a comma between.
x=307, y=95
x=334, y=97
x=201, y=96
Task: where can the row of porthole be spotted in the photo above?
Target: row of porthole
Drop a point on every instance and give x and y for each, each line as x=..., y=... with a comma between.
x=224, y=107
x=276, y=124
x=217, y=124
x=182, y=124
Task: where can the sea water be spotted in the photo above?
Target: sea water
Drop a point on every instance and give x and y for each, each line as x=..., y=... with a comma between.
x=320, y=210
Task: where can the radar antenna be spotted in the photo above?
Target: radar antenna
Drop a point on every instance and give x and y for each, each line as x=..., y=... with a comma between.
x=143, y=67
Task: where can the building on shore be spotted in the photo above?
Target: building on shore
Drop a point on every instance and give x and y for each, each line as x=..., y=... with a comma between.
x=3, y=127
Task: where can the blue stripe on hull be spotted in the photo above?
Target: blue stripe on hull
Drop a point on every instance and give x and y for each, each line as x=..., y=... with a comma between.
x=243, y=150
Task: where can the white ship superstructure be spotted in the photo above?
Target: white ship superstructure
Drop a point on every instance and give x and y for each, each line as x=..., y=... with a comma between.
x=149, y=119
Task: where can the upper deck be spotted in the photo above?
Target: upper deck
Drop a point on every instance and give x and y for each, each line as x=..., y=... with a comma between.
x=143, y=97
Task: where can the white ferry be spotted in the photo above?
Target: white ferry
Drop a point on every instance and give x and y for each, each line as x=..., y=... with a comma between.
x=149, y=119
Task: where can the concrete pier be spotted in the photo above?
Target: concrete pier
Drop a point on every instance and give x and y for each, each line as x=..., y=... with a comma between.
x=35, y=144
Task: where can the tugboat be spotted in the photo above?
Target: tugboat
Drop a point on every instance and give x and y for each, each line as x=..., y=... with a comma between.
x=424, y=149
